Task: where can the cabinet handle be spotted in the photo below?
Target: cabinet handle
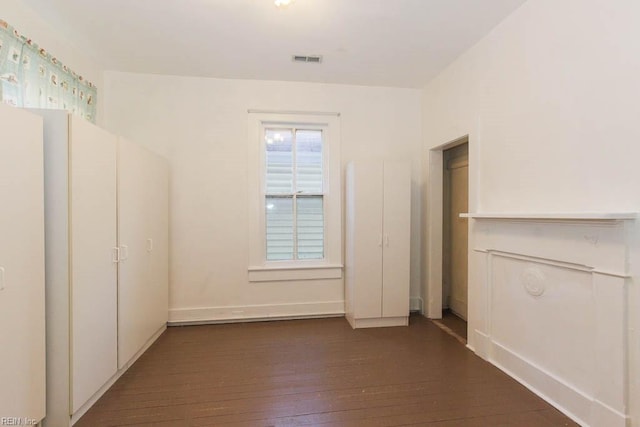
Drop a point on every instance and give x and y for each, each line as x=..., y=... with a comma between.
x=116, y=255
x=386, y=240
x=1, y=278
x=124, y=251
x=149, y=245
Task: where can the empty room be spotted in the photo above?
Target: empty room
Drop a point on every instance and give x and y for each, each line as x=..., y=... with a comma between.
x=319, y=213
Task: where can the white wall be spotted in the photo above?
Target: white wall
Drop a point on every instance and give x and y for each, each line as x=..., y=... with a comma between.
x=201, y=126
x=550, y=102
x=551, y=99
x=30, y=24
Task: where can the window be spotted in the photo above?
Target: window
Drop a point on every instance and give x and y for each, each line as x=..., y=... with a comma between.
x=294, y=194
x=295, y=197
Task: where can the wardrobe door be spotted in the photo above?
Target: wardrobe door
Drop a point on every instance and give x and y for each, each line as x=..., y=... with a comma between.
x=93, y=259
x=157, y=242
x=396, y=252
x=143, y=240
x=22, y=327
x=365, y=225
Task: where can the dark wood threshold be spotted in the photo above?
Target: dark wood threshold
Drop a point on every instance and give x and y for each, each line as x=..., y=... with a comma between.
x=452, y=324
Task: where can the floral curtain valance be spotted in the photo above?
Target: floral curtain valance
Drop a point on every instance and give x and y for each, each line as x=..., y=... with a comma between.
x=31, y=77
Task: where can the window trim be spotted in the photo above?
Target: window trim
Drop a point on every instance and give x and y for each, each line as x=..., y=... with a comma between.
x=259, y=269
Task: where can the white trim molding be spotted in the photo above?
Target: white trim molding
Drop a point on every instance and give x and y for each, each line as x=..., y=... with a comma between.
x=416, y=304
x=295, y=113
x=561, y=216
x=312, y=272
x=259, y=269
x=205, y=315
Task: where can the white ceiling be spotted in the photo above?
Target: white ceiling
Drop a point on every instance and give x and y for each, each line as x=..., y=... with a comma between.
x=402, y=43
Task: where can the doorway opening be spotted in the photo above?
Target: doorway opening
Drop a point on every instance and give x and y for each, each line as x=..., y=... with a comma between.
x=455, y=245
x=447, y=236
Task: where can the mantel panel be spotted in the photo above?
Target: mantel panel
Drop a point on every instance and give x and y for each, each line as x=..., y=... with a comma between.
x=551, y=310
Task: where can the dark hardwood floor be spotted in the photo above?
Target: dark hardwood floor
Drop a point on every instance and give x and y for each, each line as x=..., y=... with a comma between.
x=316, y=372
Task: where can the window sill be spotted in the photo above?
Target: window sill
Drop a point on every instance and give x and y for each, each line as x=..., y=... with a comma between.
x=288, y=273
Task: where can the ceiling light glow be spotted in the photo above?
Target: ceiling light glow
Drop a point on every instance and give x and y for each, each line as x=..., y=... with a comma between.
x=283, y=3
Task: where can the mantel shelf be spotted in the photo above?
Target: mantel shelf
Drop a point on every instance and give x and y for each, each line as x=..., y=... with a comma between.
x=555, y=216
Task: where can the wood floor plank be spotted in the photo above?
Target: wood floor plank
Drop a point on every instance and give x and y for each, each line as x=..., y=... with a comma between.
x=315, y=372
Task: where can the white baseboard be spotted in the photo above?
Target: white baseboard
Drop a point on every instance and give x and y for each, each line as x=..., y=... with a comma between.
x=415, y=304
x=83, y=410
x=200, y=315
x=379, y=322
x=575, y=403
x=480, y=343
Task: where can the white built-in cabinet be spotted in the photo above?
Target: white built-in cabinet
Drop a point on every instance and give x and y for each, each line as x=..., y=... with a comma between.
x=143, y=236
x=106, y=288
x=22, y=288
x=377, y=258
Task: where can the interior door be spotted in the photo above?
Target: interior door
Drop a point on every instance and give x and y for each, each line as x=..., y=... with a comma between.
x=94, y=290
x=455, y=240
x=22, y=309
x=143, y=239
x=397, y=235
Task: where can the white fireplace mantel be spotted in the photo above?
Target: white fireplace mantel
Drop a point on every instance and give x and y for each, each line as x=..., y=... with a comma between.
x=550, y=306
x=555, y=216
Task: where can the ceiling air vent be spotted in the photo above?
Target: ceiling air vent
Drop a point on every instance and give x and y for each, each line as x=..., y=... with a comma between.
x=304, y=58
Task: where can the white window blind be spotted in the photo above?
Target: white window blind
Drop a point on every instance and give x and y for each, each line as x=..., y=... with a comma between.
x=294, y=197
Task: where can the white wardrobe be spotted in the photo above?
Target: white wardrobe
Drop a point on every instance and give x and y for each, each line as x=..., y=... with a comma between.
x=22, y=289
x=143, y=236
x=98, y=321
x=377, y=258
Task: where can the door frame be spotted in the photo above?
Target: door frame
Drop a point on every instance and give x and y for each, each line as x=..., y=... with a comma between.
x=434, y=223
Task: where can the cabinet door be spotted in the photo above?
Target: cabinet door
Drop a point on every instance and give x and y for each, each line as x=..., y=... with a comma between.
x=143, y=239
x=365, y=239
x=158, y=240
x=397, y=235
x=22, y=327
x=93, y=270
